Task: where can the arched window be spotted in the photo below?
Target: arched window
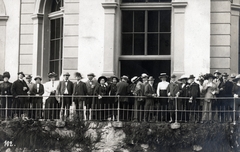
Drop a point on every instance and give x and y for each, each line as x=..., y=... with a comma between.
x=56, y=36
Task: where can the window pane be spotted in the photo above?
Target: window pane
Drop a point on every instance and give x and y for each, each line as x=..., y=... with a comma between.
x=165, y=21
x=153, y=0
x=127, y=21
x=153, y=21
x=165, y=44
x=127, y=44
x=124, y=1
x=58, y=51
x=140, y=0
x=139, y=21
x=152, y=44
x=52, y=47
x=165, y=0
x=52, y=29
x=57, y=29
x=139, y=44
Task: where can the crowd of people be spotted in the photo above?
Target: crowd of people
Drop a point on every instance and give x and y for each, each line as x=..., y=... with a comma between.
x=52, y=100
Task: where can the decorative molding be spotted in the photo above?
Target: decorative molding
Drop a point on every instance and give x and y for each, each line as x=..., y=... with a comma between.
x=145, y=5
x=108, y=5
x=37, y=16
x=57, y=14
x=4, y=18
x=235, y=7
x=179, y=4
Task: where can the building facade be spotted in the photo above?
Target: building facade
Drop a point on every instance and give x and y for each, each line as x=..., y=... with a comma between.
x=116, y=37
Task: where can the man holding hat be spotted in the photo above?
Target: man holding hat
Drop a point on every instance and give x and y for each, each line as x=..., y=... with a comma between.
x=5, y=89
x=19, y=90
x=150, y=94
x=49, y=98
x=194, y=92
x=37, y=90
x=172, y=91
x=79, y=89
x=65, y=90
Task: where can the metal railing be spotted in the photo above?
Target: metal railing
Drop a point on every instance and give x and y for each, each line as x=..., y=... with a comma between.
x=121, y=108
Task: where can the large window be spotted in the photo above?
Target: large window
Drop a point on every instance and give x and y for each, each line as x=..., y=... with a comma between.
x=56, y=37
x=146, y=32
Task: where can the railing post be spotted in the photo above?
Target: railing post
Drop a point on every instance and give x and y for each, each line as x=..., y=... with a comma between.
x=6, y=108
x=176, y=110
x=118, y=109
x=234, y=111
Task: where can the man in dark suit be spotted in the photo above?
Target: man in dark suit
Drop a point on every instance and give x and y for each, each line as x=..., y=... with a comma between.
x=20, y=89
x=65, y=89
x=79, y=88
x=173, y=91
x=150, y=93
x=5, y=89
x=183, y=103
x=37, y=101
x=91, y=85
x=194, y=92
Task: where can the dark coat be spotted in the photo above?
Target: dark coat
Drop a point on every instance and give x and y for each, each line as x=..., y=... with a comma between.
x=194, y=90
x=228, y=89
x=101, y=90
x=113, y=89
x=80, y=89
x=5, y=88
x=149, y=91
x=173, y=89
x=123, y=90
x=91, y=86
x=17, y=88
x=236, y=90
x=34, y=89
x=61, y=87
x=184, y=91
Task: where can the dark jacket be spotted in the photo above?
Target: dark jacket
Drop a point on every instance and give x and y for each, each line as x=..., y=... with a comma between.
x=101, y=90
x=34, y=89
x=5, y=88
x=173, y=89
x=236, y=90
x=149, y=91
x=91, y=86
x=194, y=90
x=113, y=89
x=228, y=89
x=79, y=89
x=17, y=88
x=123, y=90
x=61, y=87
x=184, y=90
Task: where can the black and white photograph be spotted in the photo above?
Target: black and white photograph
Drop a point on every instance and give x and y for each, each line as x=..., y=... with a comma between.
x=119, y=75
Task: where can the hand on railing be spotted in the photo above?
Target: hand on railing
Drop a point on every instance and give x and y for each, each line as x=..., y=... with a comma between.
x=235, y=96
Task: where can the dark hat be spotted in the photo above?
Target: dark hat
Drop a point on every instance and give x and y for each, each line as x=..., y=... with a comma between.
x=151, y=78
x=6, y=74
x=236, y=78
x=124, y=77
x=38, y=77
x=66, y=74
x=144, y=75
x=225, y=74
x=102, y=77
x=209, y=75
x=191, y=77
x=112, y=77
x=217, y=72
x=173, y=76
x=77, y=74
x=91, y=74
x=28, y=77
x=21, y=73
x=135, y=79
x=183, y=77
x=163, y=75
x=52, y=74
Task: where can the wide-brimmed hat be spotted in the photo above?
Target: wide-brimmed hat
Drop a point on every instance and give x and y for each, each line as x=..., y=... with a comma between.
x=217, y=72
x=151, y=78
x=236, y=78
x=6, y=74
x=21, y=73
x=135, y=79
x=38, y=77
x=209, y=75
x=191, y=77
x=52, y=74
x=77, y=74
x=66, y=74
x=144, y=75
x=183, y=77
x=124, y=77
x=112, y=77
x=232, y=75
x=225, y=74
x=102, y=77
x=28, y=77
x=200, y=78
x=173, y=76
x=91, y=74
x=163, y=75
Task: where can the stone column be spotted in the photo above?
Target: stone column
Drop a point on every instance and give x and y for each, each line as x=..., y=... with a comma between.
x=109, y=37
x=178, y=23
x=37, y=44
x=3, y=20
